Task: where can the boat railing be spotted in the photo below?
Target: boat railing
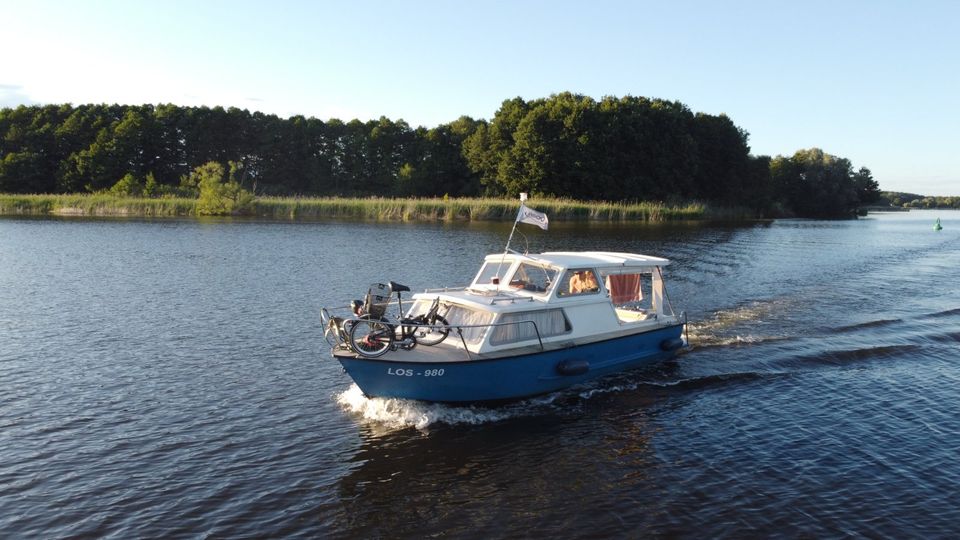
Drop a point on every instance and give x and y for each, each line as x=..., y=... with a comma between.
x=332, y=327
x=511, y=299
x=459, y=328
x=333, y=336
x=495, y=296
x=444, y=289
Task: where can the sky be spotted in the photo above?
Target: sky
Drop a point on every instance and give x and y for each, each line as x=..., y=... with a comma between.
x=876, y=82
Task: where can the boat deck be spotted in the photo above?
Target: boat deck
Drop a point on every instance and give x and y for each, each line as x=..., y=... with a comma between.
x=442, y=352
x=450, y=350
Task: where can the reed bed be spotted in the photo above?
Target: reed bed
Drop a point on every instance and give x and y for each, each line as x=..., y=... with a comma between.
x=369, y=209
x=468, y=209
x=95, y=205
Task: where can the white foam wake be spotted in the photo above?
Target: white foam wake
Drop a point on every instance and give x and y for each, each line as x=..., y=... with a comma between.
x=395, y=414
x=732, y=326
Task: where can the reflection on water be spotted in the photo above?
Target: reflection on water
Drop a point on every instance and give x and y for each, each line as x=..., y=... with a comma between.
x=169, y=378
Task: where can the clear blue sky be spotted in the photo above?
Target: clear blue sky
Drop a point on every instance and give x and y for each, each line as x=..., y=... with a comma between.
x=873, y=81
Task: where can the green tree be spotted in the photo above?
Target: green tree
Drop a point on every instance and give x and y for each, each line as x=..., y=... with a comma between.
x=23, y=172
x=434, y=162
x=218, y=195
x=487, y=148
x=28, y=153
x=554, y=149
x=868, y=191
x=618, y=148
x=723, y=159
x=813, y=183
x=128, y=186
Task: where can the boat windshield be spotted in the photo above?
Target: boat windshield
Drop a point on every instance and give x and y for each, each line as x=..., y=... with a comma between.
x=533, y=277
x=490, y=272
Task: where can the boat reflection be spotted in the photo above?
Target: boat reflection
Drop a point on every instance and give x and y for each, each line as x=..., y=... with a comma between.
x=414, y=483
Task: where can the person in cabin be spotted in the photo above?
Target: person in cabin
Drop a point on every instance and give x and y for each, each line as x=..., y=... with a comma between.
x=583, y=281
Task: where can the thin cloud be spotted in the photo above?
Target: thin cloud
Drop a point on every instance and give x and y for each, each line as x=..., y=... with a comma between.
x=12, y=95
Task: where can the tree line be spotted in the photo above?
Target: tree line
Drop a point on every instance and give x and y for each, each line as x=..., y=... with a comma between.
x=567, y=145
x=912, y=200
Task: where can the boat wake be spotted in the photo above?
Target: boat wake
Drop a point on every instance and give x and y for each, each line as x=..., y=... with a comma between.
x=679, y=385
x=846, y=357
x=396, y=414
x=946, y=313
x=389, y=414
x=699, y=340
x=727, y=327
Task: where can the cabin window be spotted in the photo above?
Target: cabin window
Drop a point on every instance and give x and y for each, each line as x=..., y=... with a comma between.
x=638, y=291
x=626, y=289
x=532, y=277
x=514, y=327
x=489, y=271
x=577, y=281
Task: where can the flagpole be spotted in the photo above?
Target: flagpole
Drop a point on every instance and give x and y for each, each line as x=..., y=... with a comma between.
x=523, y=197
x=513, y=230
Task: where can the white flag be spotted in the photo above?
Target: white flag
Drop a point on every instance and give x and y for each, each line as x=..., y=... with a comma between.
x=533, y=217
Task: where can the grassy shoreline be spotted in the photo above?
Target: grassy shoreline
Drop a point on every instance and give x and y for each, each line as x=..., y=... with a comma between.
x=372, y=209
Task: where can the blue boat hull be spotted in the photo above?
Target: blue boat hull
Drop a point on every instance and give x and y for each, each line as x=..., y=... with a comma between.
x=509, y=378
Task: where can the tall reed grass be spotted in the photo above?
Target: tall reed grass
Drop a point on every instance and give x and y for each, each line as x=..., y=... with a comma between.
x=95, y=205
x=469, y=209
x=370, y=209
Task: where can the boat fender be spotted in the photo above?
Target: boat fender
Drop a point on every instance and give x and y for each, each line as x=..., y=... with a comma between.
x=573, y=367
x=671, y=344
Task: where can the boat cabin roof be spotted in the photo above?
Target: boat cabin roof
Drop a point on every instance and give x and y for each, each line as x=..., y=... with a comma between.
x=602, y=259
x=585, y=259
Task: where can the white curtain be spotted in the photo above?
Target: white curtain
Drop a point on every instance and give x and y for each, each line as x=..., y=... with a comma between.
x=458, y=315
x=550, y=322
x=660, y=301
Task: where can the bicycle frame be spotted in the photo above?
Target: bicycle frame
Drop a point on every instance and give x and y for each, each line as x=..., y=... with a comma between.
x=410, y=325
x=371, y=331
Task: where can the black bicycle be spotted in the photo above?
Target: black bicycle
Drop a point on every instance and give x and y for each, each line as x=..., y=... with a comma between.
x=372, y=334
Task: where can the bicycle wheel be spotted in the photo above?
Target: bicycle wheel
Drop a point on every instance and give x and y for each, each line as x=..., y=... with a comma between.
x=371, y=338
x=434, y=333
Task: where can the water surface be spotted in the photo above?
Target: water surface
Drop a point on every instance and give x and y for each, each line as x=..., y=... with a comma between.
x=169, y=379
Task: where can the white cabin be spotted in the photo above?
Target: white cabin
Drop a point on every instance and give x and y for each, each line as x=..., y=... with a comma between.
x=553, y=300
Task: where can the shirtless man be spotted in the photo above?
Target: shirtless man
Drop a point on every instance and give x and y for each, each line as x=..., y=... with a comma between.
x=583, y=281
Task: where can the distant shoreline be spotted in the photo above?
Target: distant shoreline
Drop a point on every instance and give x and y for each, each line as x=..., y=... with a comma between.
x=370, y=209
x=884, y=209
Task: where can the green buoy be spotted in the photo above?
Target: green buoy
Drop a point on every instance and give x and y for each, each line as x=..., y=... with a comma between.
x=937, y=227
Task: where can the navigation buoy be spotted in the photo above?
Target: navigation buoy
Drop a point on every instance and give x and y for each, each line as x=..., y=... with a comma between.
x=937, y=227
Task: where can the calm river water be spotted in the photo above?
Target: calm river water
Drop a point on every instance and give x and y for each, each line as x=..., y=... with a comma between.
x=169, y=379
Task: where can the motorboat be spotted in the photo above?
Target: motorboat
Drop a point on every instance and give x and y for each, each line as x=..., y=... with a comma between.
x=527, y=324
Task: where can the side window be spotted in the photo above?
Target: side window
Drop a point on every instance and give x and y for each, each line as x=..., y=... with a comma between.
x=526, y=325
x=579, y=281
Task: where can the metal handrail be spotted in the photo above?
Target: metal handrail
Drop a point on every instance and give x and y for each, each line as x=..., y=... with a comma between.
x=511, y=299
x=460, y=328
x=445, y=289
x=325, y=318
